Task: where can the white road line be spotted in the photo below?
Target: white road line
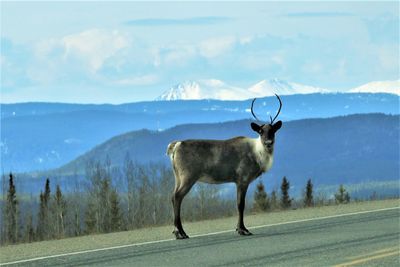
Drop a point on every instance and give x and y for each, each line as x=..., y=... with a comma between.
x=193, y=236
x=298, y=221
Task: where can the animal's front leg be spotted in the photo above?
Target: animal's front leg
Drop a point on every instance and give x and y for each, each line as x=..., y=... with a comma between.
x=241, y=199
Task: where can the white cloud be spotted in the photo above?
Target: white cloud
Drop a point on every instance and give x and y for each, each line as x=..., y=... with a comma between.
x=214, y=47
x=138, y=80
x=94, y=46
x=245, y=40
x=77, y=57
x=341, y=69
x=387, y=59
x=312, y=67
x=180, y=54
x=176, y=55
x=47, y=47
x=278, y=60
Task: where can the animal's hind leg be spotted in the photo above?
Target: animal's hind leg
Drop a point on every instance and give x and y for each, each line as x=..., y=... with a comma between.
x=179, y=193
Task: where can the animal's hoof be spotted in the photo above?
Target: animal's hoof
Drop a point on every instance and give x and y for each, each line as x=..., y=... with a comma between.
x=180, y=234
x=242, y=231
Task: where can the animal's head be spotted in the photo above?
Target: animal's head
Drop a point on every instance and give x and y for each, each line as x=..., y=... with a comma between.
x=267, y=131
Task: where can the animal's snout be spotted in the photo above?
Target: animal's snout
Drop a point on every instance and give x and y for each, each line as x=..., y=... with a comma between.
x=269, y=143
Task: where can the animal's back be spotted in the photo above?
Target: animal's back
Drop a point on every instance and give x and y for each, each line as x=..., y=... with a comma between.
x=170, y=148
x=203, y=149
x=214, y=161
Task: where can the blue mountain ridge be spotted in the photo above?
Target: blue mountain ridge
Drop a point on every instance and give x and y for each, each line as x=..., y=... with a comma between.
x=41, y=136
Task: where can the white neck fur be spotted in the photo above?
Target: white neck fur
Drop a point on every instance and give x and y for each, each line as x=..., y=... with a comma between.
x=264, y=158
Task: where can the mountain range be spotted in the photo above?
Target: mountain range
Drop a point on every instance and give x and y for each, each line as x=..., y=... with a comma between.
x=217, y=89
x=41, y=136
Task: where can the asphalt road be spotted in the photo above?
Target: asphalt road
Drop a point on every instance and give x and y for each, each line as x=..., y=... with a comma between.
x=368, y=239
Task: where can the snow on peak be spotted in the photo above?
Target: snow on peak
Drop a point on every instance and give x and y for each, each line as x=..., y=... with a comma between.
x=205, y=89
x=186, y=90
x=282, y=87
x=391, y=87
x=217, y=89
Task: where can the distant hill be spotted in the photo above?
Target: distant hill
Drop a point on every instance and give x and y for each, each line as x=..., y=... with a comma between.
x=350, y=149
x=41, y=136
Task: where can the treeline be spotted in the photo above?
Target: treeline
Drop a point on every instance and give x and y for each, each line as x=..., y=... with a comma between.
x=108, y=199
x=115, y=199
x=282, y=200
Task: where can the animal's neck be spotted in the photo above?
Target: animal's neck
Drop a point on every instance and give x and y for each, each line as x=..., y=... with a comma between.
x=263, y=156
x=259, y=147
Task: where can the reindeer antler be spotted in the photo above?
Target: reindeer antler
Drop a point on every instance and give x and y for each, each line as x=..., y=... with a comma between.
x=252, y=103
x=279, y=110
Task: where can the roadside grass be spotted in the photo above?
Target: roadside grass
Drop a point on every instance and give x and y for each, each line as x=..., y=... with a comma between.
x=44, y=248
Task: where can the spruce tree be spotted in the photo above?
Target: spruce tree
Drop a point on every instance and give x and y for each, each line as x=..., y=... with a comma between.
x=261, y=201
x=274, y=200
x=43, y=226
x=285, y=198
x=11, y=217
x=342, y=196
x=47, y=221
x=308, y=196
x=47, y=191
x=90, y=218
x=104, y=208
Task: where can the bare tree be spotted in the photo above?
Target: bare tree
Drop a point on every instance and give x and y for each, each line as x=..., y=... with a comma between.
x=59, y=212
x=29, y=235
x=274, y=200
x=129, y=174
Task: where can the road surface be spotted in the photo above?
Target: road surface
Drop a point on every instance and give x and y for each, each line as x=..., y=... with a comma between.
x=360, y=239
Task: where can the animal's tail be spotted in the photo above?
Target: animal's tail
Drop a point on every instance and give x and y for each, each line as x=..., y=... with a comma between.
x=171, y=149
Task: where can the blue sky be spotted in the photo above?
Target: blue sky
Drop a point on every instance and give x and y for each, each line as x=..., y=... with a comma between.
x=115, y=52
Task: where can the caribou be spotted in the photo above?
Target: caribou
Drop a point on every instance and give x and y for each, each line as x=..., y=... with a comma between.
x=238, y=160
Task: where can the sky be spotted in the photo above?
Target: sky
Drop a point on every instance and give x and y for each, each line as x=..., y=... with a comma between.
x=118, y=52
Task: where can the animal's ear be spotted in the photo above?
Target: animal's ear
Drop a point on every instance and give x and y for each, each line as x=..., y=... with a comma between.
x=277, y=126
x=257, y=128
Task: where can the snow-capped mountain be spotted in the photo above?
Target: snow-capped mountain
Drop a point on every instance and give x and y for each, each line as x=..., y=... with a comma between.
x=205, y=89
x=392, y=87
x=216, y=89
x=282, y=87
